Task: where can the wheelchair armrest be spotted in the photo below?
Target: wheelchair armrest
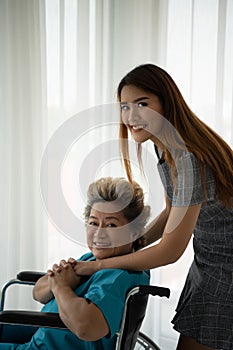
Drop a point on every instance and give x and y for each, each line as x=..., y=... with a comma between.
x=29, y=276
x=24, y=277
x=32, y=318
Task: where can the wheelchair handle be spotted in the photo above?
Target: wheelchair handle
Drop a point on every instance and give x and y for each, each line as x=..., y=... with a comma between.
x=154, y=290
x=29, y=276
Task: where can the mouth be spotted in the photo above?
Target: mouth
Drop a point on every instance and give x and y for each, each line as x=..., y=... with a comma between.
x=101, y=245
x=138, y=127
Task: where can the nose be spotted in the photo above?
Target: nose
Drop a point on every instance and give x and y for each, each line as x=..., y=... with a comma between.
x=132, y=114
x=100, y=232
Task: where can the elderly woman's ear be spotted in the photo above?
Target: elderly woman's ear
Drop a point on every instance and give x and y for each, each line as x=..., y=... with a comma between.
x=139, y=239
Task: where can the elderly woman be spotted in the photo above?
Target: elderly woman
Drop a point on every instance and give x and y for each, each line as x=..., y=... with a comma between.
x=92, y=307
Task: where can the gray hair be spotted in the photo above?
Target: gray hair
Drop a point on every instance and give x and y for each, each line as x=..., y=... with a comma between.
x=128, y=195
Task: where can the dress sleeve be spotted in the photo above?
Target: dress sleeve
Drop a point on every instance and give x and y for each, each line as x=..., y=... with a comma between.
x=187, y=189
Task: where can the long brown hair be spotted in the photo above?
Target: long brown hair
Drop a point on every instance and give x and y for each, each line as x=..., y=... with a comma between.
x=206, y=145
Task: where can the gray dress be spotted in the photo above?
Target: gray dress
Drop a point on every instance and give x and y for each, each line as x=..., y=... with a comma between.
x=205, y=308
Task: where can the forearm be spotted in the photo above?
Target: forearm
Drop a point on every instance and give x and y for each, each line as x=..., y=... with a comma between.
x=69, y=306
x=41, y=291
x=83, y=318
x=145, y=259
x=175, y=238
x=155, y=229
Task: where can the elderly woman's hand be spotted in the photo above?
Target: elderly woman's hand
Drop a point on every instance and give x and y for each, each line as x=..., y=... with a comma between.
x=63, y=275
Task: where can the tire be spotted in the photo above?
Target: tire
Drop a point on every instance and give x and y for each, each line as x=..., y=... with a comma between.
x=144, y=342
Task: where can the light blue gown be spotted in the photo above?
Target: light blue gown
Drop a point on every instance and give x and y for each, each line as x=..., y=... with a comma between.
x=107, y=289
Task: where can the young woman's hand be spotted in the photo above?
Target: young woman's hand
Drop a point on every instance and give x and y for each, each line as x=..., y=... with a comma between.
x=84, y=268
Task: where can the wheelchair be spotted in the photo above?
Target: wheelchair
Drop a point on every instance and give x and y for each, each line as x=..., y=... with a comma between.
x=26, y=323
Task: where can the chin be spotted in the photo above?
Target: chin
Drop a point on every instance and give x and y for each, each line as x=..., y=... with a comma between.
x=140, y=138
x=100, y=254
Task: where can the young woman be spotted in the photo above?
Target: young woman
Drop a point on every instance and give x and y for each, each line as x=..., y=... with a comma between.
x=196, y=169
x=83, y=304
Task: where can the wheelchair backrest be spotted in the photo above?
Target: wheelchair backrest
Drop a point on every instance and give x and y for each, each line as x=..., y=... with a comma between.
x=134, y=313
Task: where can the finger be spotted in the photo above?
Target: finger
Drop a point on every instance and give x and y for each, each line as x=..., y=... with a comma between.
x=50, y=273
x=64, y=264
x=56, y=268
x=72, y=261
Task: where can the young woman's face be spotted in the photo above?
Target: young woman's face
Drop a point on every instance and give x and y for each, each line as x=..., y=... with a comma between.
x=141, y=112
x=105, y=235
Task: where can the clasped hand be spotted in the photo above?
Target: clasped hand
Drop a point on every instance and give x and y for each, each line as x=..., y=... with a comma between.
x=63, y=275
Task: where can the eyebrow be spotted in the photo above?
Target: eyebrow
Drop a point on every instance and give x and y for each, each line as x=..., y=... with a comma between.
x=137, y=100
x=107, y=218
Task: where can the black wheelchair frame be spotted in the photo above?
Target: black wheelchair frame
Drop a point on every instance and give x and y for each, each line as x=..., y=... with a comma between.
x=129, y=336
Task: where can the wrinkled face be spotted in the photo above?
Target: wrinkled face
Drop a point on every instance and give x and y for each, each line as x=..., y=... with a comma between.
x=105, y=235
x=142, y=113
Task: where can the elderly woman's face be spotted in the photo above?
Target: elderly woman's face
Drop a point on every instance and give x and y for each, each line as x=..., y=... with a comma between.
x=105, y=235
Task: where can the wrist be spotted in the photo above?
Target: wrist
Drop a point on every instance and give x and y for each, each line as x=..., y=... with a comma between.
x=104, y=264
x=59, y=290
x=99, y=265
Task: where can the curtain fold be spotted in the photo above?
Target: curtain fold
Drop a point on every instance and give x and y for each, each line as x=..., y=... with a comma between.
x=23, y=128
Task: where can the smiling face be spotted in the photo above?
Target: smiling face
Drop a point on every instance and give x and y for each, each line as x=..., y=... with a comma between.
x=141, y=112
x=104, y=237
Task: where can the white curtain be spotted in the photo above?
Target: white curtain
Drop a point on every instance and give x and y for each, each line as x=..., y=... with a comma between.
x=23, y=133
x=62, y=57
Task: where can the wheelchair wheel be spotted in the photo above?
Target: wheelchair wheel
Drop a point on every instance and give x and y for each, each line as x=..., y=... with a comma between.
x=144, y=342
